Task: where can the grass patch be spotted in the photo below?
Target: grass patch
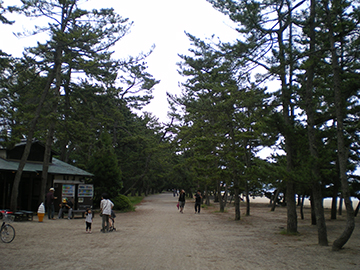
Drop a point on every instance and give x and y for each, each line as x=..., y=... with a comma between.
x=135, y=199
x=124, y=203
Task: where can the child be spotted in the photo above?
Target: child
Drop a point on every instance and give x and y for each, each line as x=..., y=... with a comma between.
x=112, y=221
x=88, y=220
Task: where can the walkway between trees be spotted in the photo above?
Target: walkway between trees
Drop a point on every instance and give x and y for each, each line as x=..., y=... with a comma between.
x=157, y=236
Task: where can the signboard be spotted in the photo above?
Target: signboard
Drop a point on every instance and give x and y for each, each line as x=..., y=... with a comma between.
x=85, y=191
x=68, y=190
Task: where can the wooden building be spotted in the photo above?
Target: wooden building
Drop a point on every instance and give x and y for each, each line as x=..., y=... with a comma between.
x=62, y=176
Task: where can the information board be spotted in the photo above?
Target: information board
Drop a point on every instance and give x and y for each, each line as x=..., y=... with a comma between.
x=85, y=191
x=68, y=190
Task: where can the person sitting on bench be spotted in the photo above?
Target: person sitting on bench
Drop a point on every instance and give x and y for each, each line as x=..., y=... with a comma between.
x=66, y=204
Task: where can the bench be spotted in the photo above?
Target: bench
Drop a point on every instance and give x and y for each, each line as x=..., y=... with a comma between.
x=23, y=215
x=28, y=214
x=74, y=212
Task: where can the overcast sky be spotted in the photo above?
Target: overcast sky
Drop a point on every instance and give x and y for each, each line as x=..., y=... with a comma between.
x=156, y=22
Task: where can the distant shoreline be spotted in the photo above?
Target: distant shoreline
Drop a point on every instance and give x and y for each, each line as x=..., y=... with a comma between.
x=327, y=201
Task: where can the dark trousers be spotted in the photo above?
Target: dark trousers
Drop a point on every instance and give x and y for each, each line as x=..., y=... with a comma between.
x=197, y=207
x=88, y=226
x=105, y=223
x=51, y=211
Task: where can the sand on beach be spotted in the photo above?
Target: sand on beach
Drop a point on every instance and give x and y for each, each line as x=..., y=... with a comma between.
x=326, y=202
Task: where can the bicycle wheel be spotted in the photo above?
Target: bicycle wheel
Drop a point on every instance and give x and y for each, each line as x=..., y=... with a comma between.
x=7, y=233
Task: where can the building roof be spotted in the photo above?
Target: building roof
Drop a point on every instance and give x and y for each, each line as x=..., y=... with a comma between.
x=56, y=167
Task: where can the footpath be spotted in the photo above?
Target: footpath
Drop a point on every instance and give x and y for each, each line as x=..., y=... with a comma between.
x=157, y=236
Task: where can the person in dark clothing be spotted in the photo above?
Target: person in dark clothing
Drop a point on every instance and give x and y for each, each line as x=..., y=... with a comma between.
x=182, y=201
x=50, y=203
x=66, y=205
x=198, y=198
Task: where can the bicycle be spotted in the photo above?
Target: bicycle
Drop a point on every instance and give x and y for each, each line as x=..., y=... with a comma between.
x=7, y=232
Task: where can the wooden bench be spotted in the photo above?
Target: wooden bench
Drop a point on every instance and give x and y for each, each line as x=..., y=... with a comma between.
x=76, y=212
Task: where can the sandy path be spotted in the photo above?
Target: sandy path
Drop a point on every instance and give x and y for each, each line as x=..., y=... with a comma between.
x=156, y=236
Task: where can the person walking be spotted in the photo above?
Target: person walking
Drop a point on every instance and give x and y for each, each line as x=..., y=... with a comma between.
x=105, y=209
x=198, y=198
x=50, y=203
x=182, y=201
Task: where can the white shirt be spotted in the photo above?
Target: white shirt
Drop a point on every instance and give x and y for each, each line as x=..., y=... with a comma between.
x=106, y=206
x=88, y=218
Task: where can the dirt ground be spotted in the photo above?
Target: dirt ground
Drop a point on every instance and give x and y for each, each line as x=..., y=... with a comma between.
x=157, y=236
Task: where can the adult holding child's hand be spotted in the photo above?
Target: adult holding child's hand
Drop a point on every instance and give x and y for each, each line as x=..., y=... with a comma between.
x=105, y=209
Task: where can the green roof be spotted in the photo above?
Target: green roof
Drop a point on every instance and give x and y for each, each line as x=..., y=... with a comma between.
x=56, y=167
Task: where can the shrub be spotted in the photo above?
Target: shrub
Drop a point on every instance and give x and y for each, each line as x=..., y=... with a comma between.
x=123, y=203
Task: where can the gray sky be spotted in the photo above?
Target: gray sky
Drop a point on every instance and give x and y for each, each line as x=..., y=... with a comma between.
x=158, y=22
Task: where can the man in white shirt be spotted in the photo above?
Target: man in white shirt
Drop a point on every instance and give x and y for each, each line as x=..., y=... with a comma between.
x=105, y=209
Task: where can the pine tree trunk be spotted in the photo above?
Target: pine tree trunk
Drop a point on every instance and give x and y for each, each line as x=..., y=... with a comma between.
x=310, y=111
x=49, y=139
x=341, y=149
x=33, y=124
x=47, y=155
x=225, y=196
x=216, y=197
x=313, y=216
x=302, y=206
x=247, y=198
x=286, y=90
x=221, y=203
x=275, y=199
x=237, y=203
x=334, y=206
x=291, y=208
x=320, y=216
x=340, y=205
x=207, y=202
